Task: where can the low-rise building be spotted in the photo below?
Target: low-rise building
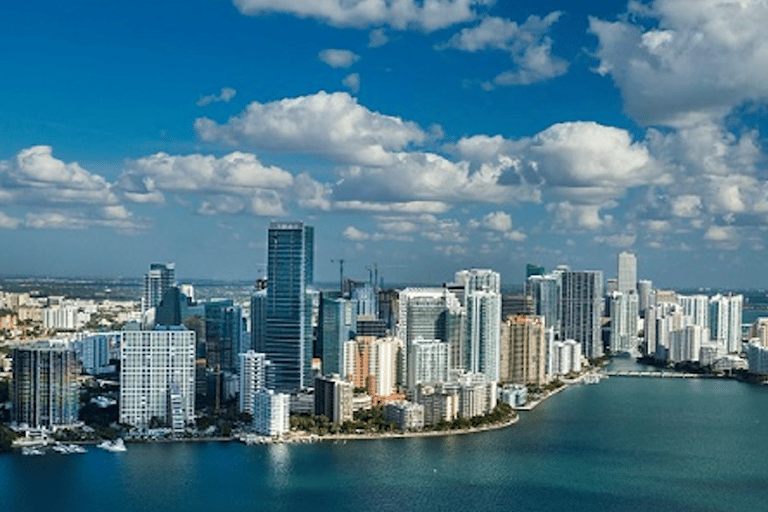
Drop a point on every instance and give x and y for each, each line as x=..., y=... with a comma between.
x=406, y=415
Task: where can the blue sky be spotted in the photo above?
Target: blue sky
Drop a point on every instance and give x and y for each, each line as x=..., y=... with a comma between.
x=426, y=136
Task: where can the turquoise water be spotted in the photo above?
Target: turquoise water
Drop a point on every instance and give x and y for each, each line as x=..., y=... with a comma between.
x=622, y=445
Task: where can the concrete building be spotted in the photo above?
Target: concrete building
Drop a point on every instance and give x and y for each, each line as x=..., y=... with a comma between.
x=333, y=398
x=439, y=404
x=582, y=309
x=757, y=357
x=725, y=321
x=624, y=318
x=627, y=272
x=545, y=292
x=157, y=281
x=44, y=391
x=254, y=377
x=155, y=365
x=523, y=354
x=484, y=331
x=271, y=412
x=428, y=362
x=566, y=357
x=406, y=415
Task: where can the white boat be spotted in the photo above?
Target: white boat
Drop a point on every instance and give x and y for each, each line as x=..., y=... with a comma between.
x=113, y=446
x=31, y=450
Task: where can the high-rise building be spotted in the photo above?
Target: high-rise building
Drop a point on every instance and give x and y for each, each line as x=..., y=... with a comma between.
x=483, y=326
x=581, y=309
x=545, y=292
x=427, y=362
x=333, y=398
x=627, y=272
x=44, y=392
x=523, y=355
x=157, y=367
x=288, y=330
x=338, y=324
x=624, y=317
x=157, y=281
x=533, y=270
x=271, y=412
x=258, y=319
x=217, y=352
x=644, y=289
x=725, y=321
x=254, y=369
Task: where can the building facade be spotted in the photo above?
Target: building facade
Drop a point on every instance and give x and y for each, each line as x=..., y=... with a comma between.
x=44, y=392
x=288, y=329
x=153, y=364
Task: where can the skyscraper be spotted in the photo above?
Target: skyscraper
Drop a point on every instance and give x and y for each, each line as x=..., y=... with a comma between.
x=44, y=390
x=725, y=321
x=157, y=281
x=627, y=272
x=157, y=368
x=624, y=315
x=338, y=323
x=581, y=309
x=288, y=329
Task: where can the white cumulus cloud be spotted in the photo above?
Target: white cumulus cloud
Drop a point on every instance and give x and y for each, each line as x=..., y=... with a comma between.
x=338, y=58
x=330, y=125
x=226, y=94
x=528, y=44
x=426, y=15
x=684, y=61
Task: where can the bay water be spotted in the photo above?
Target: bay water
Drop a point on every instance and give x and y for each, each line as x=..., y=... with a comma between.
x=625, y=444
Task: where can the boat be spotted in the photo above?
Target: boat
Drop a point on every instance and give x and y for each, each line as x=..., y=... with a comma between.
x=31, y=450
x=113, y=446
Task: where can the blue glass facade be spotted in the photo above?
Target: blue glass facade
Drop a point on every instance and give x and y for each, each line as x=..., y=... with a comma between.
x=288, y=329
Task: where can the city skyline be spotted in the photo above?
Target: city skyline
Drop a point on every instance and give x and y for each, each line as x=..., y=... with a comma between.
x=557, y=134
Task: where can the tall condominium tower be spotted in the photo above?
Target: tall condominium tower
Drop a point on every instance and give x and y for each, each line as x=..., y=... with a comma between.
x=157, y=377
x=624, y=315
x=157, y=281
x=338, y=325
x=44, y=391
x=523, y=355
x=725, y=321
x=254, y=369
x=545, y=291
x=484, y=332
x=581, y=309
x=627, y=272
x=288, y=318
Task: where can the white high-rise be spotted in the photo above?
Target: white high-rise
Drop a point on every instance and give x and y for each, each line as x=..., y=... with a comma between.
x=427, y=362
x=484, y=334
x=253, y=378
x=725, y=321
x=155, y=365
x=627, y=272
x=624, y=316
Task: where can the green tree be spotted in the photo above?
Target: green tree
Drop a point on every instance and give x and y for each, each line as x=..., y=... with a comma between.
x=6, y=439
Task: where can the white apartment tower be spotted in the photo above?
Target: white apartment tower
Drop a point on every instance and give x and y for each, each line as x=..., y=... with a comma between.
x=725, y=321
x=253, y=378
x=627, y=272
x=157, y=366
x=624, y=316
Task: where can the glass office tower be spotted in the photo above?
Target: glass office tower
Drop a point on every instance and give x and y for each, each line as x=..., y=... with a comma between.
x=288, y=329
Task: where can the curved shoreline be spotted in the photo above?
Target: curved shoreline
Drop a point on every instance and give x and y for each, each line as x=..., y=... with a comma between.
x=428, y=433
